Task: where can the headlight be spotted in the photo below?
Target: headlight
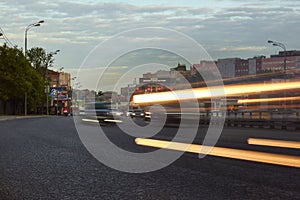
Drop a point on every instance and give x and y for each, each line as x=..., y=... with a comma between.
x=119, y=113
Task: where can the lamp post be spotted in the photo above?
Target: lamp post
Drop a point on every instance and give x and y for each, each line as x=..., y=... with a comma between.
x=26, y=30
x=49, y=57
x=278, y=44
x=25, y=53
x=281, y=45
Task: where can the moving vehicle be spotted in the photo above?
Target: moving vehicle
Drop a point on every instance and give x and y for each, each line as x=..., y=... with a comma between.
x=81, y=111
x=136, y=113
x=102, y=112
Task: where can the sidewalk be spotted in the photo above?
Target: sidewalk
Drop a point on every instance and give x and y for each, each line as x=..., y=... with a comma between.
x=13, y=117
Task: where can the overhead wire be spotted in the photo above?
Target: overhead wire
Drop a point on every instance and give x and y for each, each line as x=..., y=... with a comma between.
x=6, y=39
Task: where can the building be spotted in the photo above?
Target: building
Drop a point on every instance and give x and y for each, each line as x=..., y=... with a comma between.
x=180, y=76
x=276, y=63
x=241, y=67
x=64, y=80
x=203, y=66
x=286, y=53
x=237, y=67
x=59, y=79
x=226, y=67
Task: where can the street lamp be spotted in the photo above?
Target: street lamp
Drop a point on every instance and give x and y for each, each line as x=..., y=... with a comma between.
x=26, y=30
x=281, y=45
x=25, y=53
x=278, y=44
x=49, y=57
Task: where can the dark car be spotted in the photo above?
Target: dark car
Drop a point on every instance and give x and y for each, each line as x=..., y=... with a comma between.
x=102, y=112
x=136, y=113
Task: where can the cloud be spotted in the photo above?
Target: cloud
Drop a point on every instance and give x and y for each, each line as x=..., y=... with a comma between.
x=245, y=48
x=79, y=26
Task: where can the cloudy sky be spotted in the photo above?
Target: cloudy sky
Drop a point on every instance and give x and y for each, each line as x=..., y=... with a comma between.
x=225, y=28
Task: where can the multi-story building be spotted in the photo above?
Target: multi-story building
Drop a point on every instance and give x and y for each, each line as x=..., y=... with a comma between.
x=204, y=65
x=236, y=67
x=226, y=67
x=276, y=63
x=64, y=80
x=180, y=75
x=286, y=53
x=241, y=67
x=59, y=79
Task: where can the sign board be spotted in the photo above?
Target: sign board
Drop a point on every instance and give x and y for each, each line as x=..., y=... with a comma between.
x=58, y=92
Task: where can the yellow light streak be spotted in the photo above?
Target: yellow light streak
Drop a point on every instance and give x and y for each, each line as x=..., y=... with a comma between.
x=269, y=107
x=218, y=91
x=90, y=120
x=270, y=158
x=268, y=100
x=113, y=120
x=274, y=143
x=97, y=121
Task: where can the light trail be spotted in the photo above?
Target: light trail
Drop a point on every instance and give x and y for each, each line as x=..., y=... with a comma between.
x=105, y=120
x=218, y=91
x=259, y=107
x=90, y=120
x=270, y=158
x=268, y=100
x=245, y=77
x=113, y=120
x=274, y=143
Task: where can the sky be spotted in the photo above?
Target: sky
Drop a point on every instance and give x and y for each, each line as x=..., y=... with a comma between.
x=224, y=28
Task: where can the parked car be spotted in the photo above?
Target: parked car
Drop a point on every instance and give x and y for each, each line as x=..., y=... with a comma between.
x=102, y=112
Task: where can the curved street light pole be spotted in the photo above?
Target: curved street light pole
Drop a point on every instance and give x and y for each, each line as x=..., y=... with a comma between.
x=281, y=45
x=26, y=30
x=25, y=53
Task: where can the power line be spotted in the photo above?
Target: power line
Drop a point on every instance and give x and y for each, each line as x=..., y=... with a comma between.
x=6, y=39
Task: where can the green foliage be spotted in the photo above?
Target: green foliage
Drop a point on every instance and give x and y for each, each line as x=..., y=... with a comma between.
x=17, y=77
x=40, y=60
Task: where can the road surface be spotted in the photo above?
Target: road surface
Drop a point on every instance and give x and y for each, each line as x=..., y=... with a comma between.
x=43, y=158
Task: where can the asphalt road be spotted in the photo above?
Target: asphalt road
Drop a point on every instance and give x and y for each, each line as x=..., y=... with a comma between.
x=43, y=158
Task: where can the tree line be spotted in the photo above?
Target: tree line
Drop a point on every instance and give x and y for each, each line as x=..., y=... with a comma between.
x=22, y=79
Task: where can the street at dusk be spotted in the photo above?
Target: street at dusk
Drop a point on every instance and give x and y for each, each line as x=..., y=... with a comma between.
x=43, y=158
x=158, y=99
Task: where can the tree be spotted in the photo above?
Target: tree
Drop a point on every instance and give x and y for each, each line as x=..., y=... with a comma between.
x=18, y=78
x=40, y=60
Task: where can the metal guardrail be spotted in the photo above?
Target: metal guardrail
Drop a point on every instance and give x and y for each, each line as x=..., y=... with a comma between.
x=261, y=119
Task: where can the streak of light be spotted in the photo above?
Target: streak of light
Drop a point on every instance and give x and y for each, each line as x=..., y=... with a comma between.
x=113, y=120
x=245, y=77
x=260, y=107
x=106, y=120
x=270, y=158
x=90, y=120
x=218, y=91
x=268, y=100
x=274, y=143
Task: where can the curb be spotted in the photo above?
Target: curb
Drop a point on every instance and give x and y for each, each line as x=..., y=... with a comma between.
x=12, y=117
